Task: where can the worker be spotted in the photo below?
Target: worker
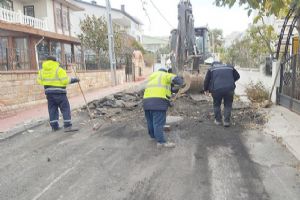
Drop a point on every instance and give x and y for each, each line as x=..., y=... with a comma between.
x=220, y=82
x=55, y=79
x=156, y=101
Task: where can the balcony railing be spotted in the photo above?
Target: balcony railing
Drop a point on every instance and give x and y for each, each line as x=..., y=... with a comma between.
x=19, y=18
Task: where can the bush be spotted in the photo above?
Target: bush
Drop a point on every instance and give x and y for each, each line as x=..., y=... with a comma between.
x=257, y=93
x=149, y=59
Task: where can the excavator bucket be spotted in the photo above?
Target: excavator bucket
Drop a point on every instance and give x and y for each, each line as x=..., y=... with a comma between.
x=196, y=83
x=193, y=84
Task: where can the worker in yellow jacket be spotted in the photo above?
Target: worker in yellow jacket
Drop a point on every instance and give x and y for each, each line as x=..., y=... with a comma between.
x=156, y=102
x=55, y=79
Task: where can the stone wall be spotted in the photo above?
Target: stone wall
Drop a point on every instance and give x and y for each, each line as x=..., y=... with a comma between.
x=255, y=76
x=19, y=90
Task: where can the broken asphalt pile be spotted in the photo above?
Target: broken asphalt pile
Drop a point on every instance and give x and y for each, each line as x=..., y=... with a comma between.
x=124, y=106
x=116, y=106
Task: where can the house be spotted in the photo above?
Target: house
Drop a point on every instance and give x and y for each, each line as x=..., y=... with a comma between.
x=31, y=30
x=126, y=22
x=152, y=44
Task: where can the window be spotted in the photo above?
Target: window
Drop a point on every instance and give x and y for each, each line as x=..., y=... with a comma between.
x=21, y=54
x=58, y=18
x=29, y=11
x=55, y=50
x=3, y=54
x=7, y=5
x=68, y=54
x=65, y=20
x=43, y=52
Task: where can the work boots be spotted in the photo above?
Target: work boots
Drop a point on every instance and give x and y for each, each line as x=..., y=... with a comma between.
x=71, y=129
x=226, y=124
x=218, y=123
x=56, y=129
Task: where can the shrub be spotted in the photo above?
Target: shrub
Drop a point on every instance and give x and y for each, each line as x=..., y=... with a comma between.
x=257, y=93
x=149, y=59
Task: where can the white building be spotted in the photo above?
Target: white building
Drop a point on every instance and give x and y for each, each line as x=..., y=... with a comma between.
x=125, y=21
x=154, y=43
x=27, y=24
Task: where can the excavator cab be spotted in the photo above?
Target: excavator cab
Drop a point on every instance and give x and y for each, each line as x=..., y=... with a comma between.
x=202, y=43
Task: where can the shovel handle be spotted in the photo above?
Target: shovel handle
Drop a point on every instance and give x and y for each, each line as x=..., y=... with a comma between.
x=86, y=104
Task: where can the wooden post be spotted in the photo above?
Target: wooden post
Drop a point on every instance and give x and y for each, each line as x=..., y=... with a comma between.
x=10, y=53
x=32, y=57
x=72, y=53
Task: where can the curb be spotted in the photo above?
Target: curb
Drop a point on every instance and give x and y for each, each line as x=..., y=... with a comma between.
x=20, y=129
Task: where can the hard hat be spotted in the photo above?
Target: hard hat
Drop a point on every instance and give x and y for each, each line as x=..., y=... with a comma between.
x=163, y=68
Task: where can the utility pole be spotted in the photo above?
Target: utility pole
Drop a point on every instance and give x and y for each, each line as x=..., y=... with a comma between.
x=110, y=32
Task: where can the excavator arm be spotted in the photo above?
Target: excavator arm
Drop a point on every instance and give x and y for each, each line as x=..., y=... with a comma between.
x=189, y=46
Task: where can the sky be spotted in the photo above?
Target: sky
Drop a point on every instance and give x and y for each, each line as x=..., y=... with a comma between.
x=205, y=14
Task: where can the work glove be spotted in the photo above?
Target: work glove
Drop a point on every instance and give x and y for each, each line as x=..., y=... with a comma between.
x=74, y=80
x=171, y=104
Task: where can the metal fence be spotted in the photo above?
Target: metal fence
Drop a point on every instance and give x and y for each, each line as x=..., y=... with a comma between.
x=19, y=59
x=289, y=90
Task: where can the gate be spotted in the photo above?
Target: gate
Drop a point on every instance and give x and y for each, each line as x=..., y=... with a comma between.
x=288, y=93
x=289, y=89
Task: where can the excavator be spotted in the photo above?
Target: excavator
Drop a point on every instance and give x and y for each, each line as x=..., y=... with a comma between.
x=189, y=48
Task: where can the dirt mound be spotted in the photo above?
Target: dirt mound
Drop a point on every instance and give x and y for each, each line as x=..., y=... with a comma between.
x=126, y=106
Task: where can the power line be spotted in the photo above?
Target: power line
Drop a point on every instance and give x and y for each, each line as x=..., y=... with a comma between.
x=161, y=14
x=145, y=10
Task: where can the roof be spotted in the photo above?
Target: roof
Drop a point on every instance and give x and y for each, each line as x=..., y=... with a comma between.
x=71, y=5
x=114, y=9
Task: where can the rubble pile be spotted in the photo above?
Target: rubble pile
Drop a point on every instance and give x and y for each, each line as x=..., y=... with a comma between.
x=116, y=104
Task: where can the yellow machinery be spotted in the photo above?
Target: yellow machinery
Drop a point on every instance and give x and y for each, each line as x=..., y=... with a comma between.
x=190, y=47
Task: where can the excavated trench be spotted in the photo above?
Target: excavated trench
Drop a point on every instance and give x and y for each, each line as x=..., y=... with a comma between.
x=126, y=106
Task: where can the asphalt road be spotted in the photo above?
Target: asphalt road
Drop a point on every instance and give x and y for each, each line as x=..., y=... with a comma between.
x=119, y=161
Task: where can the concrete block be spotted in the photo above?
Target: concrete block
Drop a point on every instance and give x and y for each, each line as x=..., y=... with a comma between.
x=173, y=119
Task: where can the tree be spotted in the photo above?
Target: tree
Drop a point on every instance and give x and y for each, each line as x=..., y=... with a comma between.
x=216, y=38
x=250, y=51
x=278, y=8
x=94, y=36
x=137, y=46
x=264, y=7
x=264, y=38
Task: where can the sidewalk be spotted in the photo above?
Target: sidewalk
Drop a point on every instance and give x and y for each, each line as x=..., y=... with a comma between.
x=282, y=123
x=40, y=112
x=285, y=126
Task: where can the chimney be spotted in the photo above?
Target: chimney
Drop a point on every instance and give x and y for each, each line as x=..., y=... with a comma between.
x=93, y=2
x=123, y=8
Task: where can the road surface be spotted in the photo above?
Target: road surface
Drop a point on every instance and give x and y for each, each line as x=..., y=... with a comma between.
x=119, y=161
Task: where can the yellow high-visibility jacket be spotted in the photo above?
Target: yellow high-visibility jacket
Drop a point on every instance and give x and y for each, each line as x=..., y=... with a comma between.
x=53, y=77
x=159, y=85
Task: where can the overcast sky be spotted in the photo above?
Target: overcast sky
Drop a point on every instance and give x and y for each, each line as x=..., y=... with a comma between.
x=205, y=13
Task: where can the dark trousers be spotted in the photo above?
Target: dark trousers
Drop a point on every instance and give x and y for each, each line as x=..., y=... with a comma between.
x=60, y=101
x=156, y=121
x=228, y=99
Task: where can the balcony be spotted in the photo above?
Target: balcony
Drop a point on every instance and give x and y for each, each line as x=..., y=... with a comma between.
x=18, y=18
